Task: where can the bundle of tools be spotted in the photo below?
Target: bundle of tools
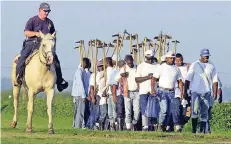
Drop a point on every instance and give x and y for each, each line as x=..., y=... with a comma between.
x=159, y=44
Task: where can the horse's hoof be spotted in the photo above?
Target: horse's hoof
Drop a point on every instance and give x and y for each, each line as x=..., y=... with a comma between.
x=13, y=124
x=29, y=130
x=51, y=131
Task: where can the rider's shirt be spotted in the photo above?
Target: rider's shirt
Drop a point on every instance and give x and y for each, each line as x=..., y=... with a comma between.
x=36, y=24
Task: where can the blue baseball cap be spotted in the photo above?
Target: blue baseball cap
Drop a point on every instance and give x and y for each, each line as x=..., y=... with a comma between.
x=205, y=52
x=45, y=6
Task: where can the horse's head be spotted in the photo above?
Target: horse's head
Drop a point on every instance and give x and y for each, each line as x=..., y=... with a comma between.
x=48, y=46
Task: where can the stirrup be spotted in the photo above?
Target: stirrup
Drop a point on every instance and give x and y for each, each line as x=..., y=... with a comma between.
x=18, y=81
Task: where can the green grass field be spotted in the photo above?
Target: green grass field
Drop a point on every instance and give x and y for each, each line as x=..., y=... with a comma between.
x=64, y=133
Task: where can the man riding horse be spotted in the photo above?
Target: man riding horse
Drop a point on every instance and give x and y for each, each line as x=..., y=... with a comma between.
x=35, y=24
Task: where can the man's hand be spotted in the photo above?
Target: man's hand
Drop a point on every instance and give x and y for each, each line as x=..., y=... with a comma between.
x=114, y=99
x=124, y=74
x=37, y=34
x=84, y=99
x=93, y=100
x=104, y=94
x=182, y=96
x=150, y=75
x=214, y=97
x=153, y=92
x=89, y=98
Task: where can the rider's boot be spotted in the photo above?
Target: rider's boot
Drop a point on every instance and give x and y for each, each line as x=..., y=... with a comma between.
x=61, y=83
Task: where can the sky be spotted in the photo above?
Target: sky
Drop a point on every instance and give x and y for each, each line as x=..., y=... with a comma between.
x=195, y=24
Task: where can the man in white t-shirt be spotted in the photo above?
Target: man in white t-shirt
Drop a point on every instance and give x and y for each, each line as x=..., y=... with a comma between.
x=168, y=75
x=80, y=92
x=97, y=102
x=110, y=101
x=201, y=80
x=183, y=67
x=130, y=92
x=143, y=78
x=118, y=97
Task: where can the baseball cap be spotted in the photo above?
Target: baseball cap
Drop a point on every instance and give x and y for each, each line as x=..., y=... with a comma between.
x=45, y=6
x=205, y=52
x=100, y=62
x=149, y=53
x=170, y=54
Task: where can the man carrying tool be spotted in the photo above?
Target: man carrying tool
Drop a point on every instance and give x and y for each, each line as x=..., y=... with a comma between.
x=183, y=67
x=202, y=81
x=95, y=95
x=80, y=93
x=131, y=94
x=168, y=75
x=110, y=100
x=143, y=78
x=118, y=95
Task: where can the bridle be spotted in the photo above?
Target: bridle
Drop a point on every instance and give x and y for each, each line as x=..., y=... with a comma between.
x=45, y=54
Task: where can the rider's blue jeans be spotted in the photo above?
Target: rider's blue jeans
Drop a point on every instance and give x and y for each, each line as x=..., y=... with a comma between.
x=25, y=52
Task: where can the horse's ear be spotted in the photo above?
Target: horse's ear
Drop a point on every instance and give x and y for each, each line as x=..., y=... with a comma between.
x=54, y=35
x=41, y=34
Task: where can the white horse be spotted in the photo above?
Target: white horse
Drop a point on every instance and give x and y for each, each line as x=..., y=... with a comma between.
x=39, y=76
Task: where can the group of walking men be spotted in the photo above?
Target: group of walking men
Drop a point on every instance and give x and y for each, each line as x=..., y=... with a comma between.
x=148, y=96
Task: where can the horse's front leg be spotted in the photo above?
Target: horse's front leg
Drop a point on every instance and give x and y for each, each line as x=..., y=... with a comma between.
x=30, y=108
x=50, y=95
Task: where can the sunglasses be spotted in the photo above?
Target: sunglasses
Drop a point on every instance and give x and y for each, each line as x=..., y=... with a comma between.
x=47, y=11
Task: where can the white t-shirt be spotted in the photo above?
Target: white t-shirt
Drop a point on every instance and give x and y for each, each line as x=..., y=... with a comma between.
x=132, y=85
x=109, y=74
x=143, y=70
x=168, y=75
x=101, y=85
x=197, y=77
x=183, y=69
x=113, y=80
x=99, y=82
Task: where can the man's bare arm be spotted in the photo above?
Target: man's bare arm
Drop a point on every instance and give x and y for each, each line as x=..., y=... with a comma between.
x=153, y=82
x=180, y=83
x=142, y=79
x=215, y=87
x=31, y=33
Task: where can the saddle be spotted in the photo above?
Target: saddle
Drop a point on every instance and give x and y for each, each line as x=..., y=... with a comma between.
x=34, y=52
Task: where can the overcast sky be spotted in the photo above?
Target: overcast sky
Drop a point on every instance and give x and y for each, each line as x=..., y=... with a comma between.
x=196, y=25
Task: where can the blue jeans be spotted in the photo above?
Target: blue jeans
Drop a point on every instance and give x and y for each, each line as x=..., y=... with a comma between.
x=25, y=52
x=94, y=113
x=143, y=106
x=169, y=107
x=103, y=112
x=120, y=110
x=200, y=102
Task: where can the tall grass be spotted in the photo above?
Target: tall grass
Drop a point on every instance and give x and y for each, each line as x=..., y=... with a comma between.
x=63, y=108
